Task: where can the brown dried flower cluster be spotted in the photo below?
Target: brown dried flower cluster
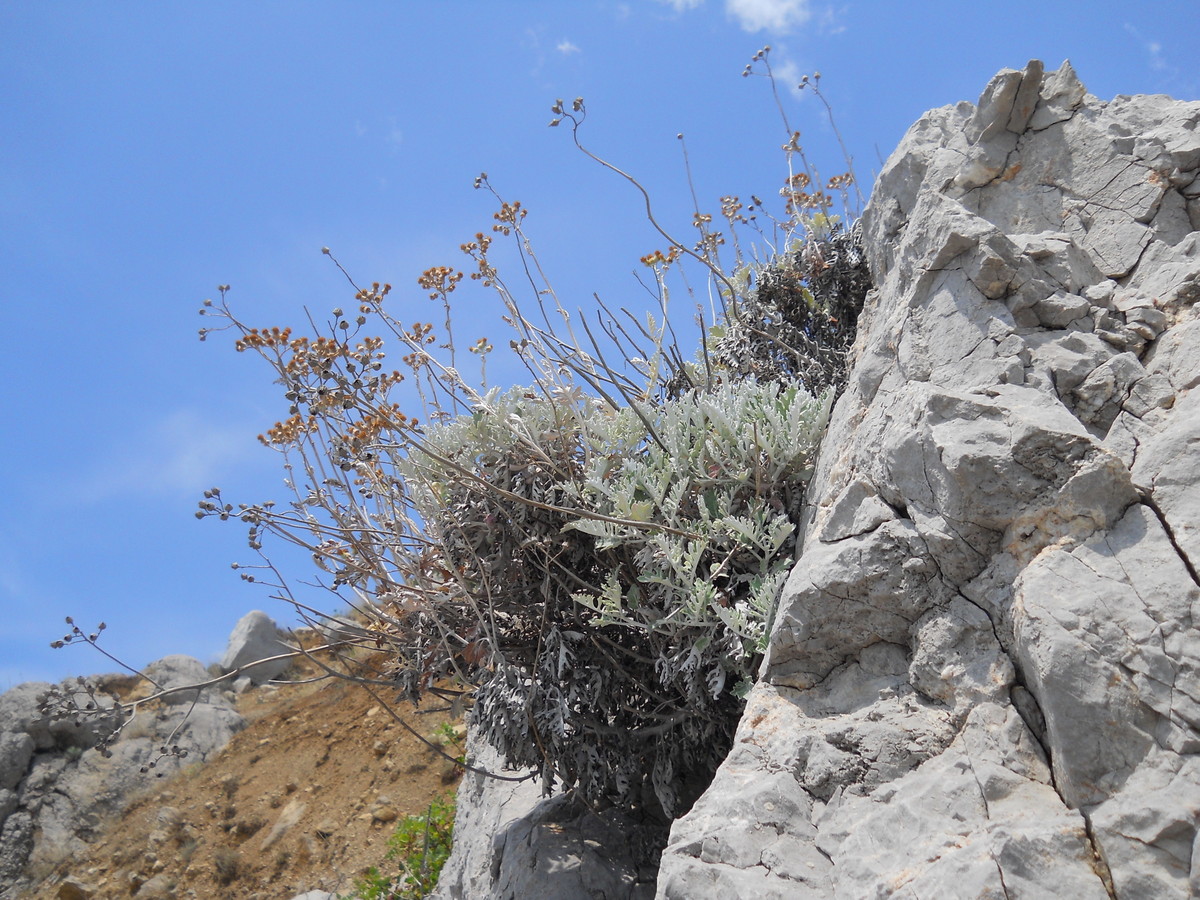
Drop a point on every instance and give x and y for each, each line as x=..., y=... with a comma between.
x=660, y=258
x=267, y=337
x=439, y=281
x=477, y=250
x=509, y=216
x=288, y=432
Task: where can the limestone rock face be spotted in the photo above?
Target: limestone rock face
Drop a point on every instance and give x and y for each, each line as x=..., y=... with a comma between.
x=984, y=675
x=510, y=841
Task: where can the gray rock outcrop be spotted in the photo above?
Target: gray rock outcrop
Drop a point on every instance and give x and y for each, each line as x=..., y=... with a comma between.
x=984, y=674
x=252, y=647
x=511, y=841
x=60, y=779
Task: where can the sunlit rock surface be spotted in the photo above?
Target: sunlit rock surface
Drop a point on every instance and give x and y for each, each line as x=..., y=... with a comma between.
x=984, y=676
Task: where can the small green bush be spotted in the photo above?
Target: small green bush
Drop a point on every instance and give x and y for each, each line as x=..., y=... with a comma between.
x=419, y=847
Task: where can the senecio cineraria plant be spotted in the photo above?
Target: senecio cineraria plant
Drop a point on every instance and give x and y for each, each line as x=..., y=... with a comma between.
x=597, y=554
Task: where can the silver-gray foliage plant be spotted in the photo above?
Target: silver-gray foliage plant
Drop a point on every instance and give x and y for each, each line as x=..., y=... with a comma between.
x=630, y=617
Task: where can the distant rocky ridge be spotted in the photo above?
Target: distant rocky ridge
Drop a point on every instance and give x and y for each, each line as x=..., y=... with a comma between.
x=984, y=675
x=58, y=789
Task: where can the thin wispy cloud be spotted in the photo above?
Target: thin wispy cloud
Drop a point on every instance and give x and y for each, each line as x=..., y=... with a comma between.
x=1168, y=77
x=387, y=129
x=395, y=135
x=787, y=73
x=544, y=50
x=778, y=16
x=830, y=21
x=182, y=454
x=1152, y=48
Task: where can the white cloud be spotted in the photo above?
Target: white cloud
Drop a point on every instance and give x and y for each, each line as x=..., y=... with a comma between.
x=566, y=48
x=386, y=129
x=829, y=21
x=181, y=454
x=773, y=15
x=787, y=73
x=395, y=136
x=779, y=16
x=1153, y=49
x=785, y=70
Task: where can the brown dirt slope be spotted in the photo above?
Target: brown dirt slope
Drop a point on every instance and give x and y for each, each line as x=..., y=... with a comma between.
x=304, y=798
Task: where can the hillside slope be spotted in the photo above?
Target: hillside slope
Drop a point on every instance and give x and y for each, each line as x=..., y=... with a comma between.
x=304, y=798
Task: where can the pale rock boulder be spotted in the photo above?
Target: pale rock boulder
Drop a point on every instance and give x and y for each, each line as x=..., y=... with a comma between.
x=484, y=808
x=73, y=798
x=58, y=787
x=252, y=646
x=178, y=676
x=984, y=674
x=512, y=841
x=16, y=750
x=16, y=843
x=21, y=713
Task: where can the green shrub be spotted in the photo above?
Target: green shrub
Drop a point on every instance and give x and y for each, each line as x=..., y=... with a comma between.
x=635, y=604
x=419, y=847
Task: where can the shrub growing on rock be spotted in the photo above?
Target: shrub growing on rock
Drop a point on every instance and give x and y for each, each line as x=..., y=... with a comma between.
x=629, y=572
x=800, y=320
x=598, y=553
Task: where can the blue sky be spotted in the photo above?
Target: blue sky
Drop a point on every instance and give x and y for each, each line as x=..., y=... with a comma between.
x=151, y=151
